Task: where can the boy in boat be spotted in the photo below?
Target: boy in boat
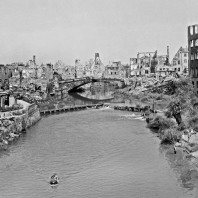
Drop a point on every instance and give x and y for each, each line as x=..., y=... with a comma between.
x=54, y=178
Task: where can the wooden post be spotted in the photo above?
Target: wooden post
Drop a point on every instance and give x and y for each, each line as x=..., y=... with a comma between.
x=15, y=100
x=3, y=101
x=153, y=107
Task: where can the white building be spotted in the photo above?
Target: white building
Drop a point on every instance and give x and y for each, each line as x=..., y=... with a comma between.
x=180, y=61
x=79, y=69
x=134, y=67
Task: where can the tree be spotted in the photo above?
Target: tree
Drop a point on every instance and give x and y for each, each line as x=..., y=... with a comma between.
x=182, y=100
x=174, y=110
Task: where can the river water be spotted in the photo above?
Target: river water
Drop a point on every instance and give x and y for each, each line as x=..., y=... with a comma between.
x=97, y=154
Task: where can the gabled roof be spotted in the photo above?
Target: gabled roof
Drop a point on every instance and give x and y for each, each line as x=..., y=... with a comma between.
x=183, y=49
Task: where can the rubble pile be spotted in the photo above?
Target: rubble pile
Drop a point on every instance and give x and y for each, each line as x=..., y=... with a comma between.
x=163, y=86
x=10, y=129
x=11, y=108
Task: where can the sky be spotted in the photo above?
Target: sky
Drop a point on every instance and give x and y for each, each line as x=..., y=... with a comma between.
x=76, y=29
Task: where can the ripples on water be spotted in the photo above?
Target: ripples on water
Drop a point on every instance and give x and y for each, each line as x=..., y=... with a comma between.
x=96, y=153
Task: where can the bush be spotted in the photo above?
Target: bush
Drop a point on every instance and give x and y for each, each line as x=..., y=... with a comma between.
x=170, y=136
x=159, y=97
x=18, y=113
x=144, y=99
x=168, y=114
x=192, y=112
x=193, y=122
x=181, y=127
x=12, y=108
x=166, y=138
x=137, y=106
x=161, y=123
x=138, y=96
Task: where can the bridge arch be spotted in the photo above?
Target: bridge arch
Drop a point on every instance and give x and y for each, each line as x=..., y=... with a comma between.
x=73, y=84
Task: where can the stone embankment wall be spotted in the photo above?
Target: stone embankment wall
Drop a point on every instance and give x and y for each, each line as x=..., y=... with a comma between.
x=32, y=115
x=13, y=126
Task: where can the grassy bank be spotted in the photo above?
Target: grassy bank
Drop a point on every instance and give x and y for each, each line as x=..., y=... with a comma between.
x=143, y=99
x=176, y=101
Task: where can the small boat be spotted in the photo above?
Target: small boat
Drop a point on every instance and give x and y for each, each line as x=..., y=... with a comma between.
x=54, y=179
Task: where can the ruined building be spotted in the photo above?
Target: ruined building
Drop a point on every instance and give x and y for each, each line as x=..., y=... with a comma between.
x=193, y=54
x=180, y=61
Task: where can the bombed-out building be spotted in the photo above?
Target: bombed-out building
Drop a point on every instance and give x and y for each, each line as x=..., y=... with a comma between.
x=193, y=54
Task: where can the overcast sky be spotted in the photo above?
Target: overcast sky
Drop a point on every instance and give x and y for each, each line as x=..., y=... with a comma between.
x=69, y=29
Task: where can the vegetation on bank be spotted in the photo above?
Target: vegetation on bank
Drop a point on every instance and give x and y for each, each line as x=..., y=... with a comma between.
x=11, y=108
x=180, y=113
x=167, y=129
x=176, y=99
x=142, y=98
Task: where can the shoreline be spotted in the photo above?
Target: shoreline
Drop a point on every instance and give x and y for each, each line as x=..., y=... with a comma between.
x=182, y=156
x=186, y=166
x=14, y=124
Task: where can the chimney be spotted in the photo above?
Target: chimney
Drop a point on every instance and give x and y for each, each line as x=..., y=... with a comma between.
x=97, y=58
x=168, y=52
x=77, y=61
x=96, y=55
x=34, y=59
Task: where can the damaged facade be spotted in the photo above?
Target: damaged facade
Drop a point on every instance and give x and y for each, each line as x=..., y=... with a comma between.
x=193, y=55
x=152, y=64
x=180, y=61
x=144, y=64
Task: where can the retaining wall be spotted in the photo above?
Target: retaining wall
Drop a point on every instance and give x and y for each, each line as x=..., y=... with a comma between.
x=12, y=127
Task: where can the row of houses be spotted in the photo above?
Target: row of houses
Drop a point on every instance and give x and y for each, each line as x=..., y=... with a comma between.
x=146, y=63
x=150, y=63
x=20, y=74
x=94, y=68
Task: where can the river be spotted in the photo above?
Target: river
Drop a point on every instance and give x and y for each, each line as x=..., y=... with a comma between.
x=96, y=154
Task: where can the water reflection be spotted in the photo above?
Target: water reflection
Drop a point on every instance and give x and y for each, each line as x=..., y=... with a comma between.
x=91, y=93
x=98, y=91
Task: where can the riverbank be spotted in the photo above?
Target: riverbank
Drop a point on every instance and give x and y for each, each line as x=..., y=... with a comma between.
x=136, y=104
x=187, y=171
x=176, y=126
x=127, y=96
x=96, y=153
x=182, y=155
x=14, y=123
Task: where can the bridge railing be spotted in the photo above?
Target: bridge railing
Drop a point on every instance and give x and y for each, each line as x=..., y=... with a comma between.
x=75, y=79
x=91, y=79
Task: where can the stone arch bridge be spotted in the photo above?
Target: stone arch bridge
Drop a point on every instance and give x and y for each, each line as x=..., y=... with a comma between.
x=73, y=84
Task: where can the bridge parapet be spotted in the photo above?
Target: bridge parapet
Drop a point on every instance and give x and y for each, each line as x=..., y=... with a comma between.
x=67, y=85
x=89, y=80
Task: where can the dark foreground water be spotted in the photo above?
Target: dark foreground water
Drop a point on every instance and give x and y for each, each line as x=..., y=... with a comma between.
x=96, y=153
